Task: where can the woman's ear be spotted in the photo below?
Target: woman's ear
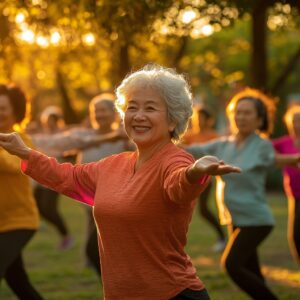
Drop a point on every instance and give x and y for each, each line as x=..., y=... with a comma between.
x=172, y=126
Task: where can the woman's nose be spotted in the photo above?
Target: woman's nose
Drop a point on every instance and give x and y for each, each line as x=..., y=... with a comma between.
x=139, y=115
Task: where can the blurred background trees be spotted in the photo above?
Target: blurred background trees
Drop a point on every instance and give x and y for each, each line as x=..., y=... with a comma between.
x=64, y=52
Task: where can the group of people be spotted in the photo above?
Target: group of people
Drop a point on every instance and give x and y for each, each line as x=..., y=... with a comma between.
x=143, y=196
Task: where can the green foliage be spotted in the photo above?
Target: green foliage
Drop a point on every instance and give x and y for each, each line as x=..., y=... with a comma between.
x=98, y=42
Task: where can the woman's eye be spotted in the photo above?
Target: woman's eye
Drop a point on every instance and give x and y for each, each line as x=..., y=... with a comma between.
x=150, y=108
x=131, y=108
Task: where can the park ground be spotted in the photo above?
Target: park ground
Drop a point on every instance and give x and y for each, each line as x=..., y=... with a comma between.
x=64, y=276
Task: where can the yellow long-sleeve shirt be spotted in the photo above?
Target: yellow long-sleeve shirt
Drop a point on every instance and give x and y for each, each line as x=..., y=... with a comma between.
x=17, y=206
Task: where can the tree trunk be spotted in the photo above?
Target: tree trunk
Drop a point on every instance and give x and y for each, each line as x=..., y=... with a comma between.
x=69, y=113
x=180, y=52
x=286, y=72
x=124, y=64
x=259, y=54
x=5, y=41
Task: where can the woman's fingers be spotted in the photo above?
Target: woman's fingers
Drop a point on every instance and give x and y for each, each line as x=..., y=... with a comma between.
x=213, y=166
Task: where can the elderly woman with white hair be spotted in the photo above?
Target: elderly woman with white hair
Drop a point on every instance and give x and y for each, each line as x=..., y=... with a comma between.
x=143, y=200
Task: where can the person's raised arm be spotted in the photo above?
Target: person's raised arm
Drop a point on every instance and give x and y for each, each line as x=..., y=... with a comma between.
x=85, y=142
x=78, y=182
x=282, y=160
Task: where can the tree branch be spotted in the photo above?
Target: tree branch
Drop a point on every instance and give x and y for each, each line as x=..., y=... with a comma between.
x=280, y=81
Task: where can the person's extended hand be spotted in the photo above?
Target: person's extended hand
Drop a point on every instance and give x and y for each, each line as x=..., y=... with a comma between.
x=211, y=165
x=14, y=144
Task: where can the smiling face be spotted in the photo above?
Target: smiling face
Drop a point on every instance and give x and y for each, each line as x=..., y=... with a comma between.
x=146, y=120
x=7, y=118
x=246, y=117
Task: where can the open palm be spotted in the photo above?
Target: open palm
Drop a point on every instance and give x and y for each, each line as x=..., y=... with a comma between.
x=211, y=165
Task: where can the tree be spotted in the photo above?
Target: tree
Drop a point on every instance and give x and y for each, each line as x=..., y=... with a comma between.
x=83, y=48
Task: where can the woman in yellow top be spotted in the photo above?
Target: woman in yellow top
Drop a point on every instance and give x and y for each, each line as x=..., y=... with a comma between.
x=18, y=212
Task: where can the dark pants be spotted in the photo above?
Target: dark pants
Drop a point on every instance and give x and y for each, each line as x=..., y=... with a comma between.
x=91, y=246
x=207, y=214
x=241, y=261
x=12, y=266
x=192, y=295
x=92, y=250
x=294, y=228
x=47, y=202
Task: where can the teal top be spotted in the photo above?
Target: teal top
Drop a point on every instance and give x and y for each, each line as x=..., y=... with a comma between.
x=243, y=194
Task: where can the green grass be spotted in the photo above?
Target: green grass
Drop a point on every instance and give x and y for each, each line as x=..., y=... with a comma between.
x=63, y=275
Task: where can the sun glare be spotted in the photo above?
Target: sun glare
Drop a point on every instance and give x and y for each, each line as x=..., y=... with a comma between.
x=88, y=39
x=20, y=18
x=27, y=36
x=42, y=41
x=188, y=16
x=55, y=38
x=207, y=30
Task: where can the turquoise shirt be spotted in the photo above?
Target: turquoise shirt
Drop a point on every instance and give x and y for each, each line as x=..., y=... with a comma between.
x=242, y=193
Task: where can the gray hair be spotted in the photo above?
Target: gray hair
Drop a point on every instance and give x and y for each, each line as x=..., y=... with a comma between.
x=106, y=98
x=172, y=87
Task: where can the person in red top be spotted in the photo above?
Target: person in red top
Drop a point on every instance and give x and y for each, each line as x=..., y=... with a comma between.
x=143, y=201
x=290, y=144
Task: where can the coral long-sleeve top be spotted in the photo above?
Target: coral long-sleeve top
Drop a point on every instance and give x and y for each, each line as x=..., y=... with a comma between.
x=142, y=218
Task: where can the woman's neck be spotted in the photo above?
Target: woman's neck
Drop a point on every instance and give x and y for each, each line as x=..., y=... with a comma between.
x=145, y=153
x=104, y=130
x=241, y=138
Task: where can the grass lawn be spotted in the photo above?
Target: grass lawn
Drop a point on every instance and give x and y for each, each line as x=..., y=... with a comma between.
x=63, y=275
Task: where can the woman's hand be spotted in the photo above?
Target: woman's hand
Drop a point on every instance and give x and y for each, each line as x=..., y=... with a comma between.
x=14, y=144
x=283, y=160
x=209, y=165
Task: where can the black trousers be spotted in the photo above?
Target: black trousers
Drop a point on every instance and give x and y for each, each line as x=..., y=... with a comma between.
x=47, y=202
x=192, y=295
x=296, y=227
x=92, y=250
x=11, y=263
x=241, y=261
x=91, y=245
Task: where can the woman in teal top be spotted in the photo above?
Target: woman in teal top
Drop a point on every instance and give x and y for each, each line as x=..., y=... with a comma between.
x=241, y=197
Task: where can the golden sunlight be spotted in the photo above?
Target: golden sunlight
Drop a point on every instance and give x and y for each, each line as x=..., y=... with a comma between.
x=207, y=30
x=282, y=275
x=188, y=16
x=20, y=18
x=88, y=39
x=55, y=38
x=27, y=36
x=42, y=41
